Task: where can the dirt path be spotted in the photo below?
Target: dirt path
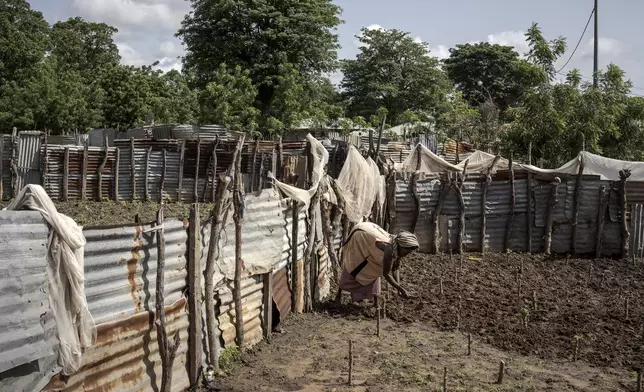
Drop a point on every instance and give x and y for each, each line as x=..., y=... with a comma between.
x=313, y=356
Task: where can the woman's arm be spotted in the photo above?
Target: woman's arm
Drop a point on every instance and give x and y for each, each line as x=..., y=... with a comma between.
x=387, y=268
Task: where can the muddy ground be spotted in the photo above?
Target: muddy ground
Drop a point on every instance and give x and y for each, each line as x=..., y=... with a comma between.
x=578, y=303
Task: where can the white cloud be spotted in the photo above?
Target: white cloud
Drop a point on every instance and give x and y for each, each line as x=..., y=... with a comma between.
x=129, y=56
x=441, y=52
x=167, y=64
x=134, y=14
x=516, y=39
x=375, y=27
x=171, y=49
x=607, y=47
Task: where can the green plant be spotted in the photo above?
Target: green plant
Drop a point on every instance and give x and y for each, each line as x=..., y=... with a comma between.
x=229, y=358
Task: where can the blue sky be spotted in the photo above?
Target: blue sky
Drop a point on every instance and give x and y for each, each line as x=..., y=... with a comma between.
x=146, y=27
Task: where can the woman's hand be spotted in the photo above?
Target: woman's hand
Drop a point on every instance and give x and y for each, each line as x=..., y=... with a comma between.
x=403, y=293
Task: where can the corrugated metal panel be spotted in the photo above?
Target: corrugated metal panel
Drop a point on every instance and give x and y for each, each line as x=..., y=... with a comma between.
x=251, y=299
x=126, y=357
x=282, y=291
x=120, y=269
x=27, y=328
x=635, y=192
x=28, y=161
x=6, y=149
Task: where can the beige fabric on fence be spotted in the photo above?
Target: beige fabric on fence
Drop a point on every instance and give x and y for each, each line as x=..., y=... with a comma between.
x=360, y=184
x=65, y=270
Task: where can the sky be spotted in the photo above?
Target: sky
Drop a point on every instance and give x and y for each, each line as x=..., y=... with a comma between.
x=147, y=27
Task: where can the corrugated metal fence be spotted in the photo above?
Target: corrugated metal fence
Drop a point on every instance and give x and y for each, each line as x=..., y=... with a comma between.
x=120, y=283
x=497, y=213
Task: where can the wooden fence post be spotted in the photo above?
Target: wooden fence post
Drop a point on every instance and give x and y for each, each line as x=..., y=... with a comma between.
x=214, y=168
x=181, y=157
x=436, y=237
x=99, y=171
x=197, y=165
x=295, y=275
x=461, y=210
x=267, y=303
x=508, y=229
x=147, y=174
x=1, y=167
x=194, y=296
x=414, y=190
x=84, y=174
x=116, y=174
x=623, y=176
x=601, y=215
x=15, y=182
x=132, y=169
x=308, y=255
x=163, y=174
x=66, y=175
x=238, y=217
x=486, y=186
x=575, y=207
x=45, y=163
x=253, y=163
x=167, y=350
x=547, y=240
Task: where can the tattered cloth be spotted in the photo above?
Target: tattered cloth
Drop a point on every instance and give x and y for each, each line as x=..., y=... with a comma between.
x=357, y=290
x=65, y=272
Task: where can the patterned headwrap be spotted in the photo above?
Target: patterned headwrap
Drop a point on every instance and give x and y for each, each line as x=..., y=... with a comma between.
x=404, y=239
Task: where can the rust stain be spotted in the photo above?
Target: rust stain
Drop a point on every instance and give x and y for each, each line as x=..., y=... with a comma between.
x=132, y=266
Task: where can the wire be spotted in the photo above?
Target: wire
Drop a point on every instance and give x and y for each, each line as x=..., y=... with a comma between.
x=580, y=39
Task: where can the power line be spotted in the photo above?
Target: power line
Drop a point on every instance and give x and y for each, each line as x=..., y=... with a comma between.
x=580, y=39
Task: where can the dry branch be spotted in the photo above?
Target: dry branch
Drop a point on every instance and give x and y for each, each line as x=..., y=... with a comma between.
x=116, y=173
x=66, y=175
x=84, y=178
x=310, y=247
x=132, y=169
x=327, y=231
x=182, y=155
x=294, y=259
x=547, y=242
x=508, y=229
x=147, y=174
x=99, y=172
x=218, y=215
x=486, y=186
x=238, y=217
x=623, y=176
x=414, y=190
x=436, y=238
x=163, y=174
x=197, y=165
x=350, y=362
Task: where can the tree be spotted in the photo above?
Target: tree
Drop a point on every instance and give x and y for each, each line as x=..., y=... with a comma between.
x=279, y=43
x=228, y=100
x=461, y=122
x=84, y=46
x=544, y=53
x=23, y=39
x=485, y=71
x=395, y=72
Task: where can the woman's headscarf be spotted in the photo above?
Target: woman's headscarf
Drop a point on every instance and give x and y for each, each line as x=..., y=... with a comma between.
x=405, y=239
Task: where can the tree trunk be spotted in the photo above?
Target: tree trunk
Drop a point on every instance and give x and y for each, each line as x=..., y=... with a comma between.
x=575, y=207
x=436, y=237
x=238, y=217
x=414, y=190
x=623, y=176
x=508, y=229
x=547, y=241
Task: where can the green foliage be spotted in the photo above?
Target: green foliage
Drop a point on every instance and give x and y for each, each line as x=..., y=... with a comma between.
x=229, y=358
x=393, y=71
x=484, y=72
x=284, y=46
x=544, y=53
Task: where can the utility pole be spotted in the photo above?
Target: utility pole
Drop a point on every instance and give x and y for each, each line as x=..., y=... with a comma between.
x=596, y=47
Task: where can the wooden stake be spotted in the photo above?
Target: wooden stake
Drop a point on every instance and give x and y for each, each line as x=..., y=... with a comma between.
x=469, y=344
x=547, y=242
x=218, y=222
x=445, y=379
x=214, y=168
x=486, y=185
x=254, y=163
x=280, y=160
x=268, y=305
x=117, y=163
x=508, y=229
x=626, y=309
x=499, y=380
x=350, y=362
x=441, y=284
x=530, y=213
x=66, y=175
x=436, y=237
x=194, y=296
x=461, y=210
x=147, y=174
x=182, y=155
x=308, y=254
x=99, y=172
x=458, y=314
x=238, y=217
x=534, y=300
x=163, y=174
x=294, y=256
x=378, y=316
x=414, y=191
x=603, y=203
x=167, y=350
x=623, y=176
x=638, y=388
x=575, y=206
x=84, y=174
x=327, y=231
x=132, y=169
x=576, y=354
x=197, y=166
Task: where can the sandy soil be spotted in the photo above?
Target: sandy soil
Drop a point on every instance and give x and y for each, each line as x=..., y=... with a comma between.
x=419, y=338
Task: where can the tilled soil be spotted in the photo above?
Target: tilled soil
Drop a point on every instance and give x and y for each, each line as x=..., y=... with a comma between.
x=579, y=303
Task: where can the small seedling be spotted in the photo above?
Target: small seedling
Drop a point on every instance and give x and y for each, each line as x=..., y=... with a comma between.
x=576, y=340
x=469, y=344
x=534, y=300
x=499, y=380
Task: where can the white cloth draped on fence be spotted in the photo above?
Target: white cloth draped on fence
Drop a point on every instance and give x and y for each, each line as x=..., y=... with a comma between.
x=65, y=271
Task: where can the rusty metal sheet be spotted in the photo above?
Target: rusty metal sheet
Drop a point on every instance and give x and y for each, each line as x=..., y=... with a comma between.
x=28, y=340
x=282, y=291
x=121, y=265
x=126, y=357
x=251, y=298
